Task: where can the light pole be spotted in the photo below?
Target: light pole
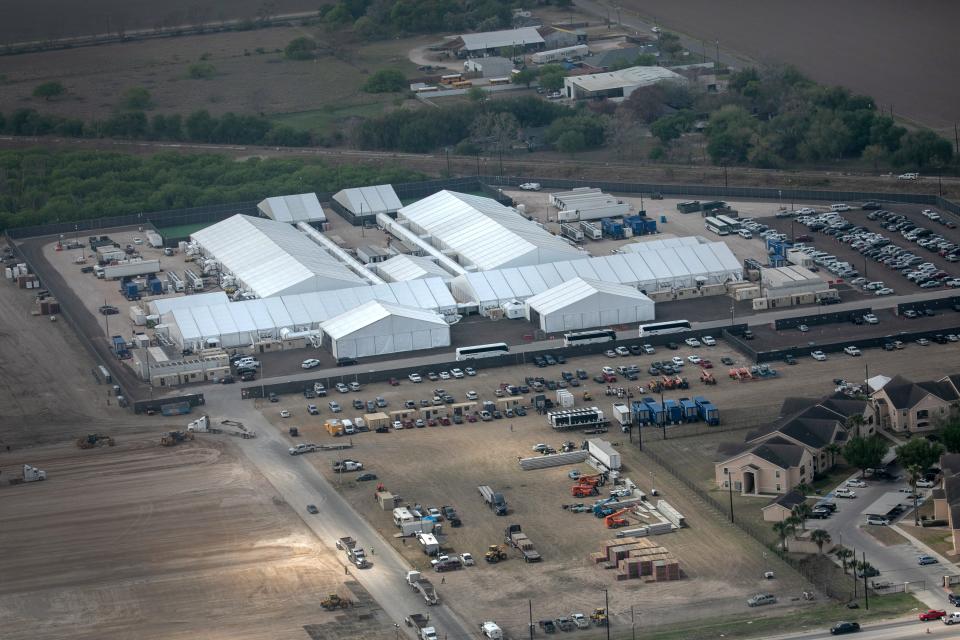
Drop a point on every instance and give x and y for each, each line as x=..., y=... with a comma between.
x=730, y=491
x=606, y=605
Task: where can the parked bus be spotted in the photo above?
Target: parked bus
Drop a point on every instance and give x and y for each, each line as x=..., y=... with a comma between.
x=482, y=351
x=499, y=80
x=733, y=224
x=718, y=227
x=450, y=79
x=462, y=84
x=659, y=328
x=574, y=338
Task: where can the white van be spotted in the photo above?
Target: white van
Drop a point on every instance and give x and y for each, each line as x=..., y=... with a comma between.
x=348, y=427
x=745, y=233
x=878, y=520
x=839, y=207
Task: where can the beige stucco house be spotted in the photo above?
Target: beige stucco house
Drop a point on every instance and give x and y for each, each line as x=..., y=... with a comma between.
x=905, y=406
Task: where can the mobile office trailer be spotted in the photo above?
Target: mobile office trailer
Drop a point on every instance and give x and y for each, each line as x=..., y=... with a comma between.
x=604, y=452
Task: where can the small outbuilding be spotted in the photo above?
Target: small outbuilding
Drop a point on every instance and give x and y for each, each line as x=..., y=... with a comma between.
x=302, y=207
x=580, y=303
x=361, y=205
x=378, y=328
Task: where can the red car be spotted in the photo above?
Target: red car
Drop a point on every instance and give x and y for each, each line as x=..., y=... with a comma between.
x=932, y=614
x=706, y=364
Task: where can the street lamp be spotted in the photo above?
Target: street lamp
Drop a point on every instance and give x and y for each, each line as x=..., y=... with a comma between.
x=730, y=490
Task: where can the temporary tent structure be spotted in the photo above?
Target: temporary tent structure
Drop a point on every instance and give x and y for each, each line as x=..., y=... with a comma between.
x=580, y=303
x=378, y=328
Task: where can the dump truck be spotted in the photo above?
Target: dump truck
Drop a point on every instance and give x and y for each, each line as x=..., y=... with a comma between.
x=355, y=553
x=514, y=536
x=92, y=440
x=494, y=500
x=495, y=553
x=172, y=438
x=30, y=474
x=421, y=623
x=422, y=585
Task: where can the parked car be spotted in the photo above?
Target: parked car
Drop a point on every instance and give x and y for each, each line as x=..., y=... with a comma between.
x=692, y=342
x=761, y=599
x=415, y=377
x=844, y=627
x=851, y=351
x=925, y=560
x=309, y=363
x=932, y=614
x=818, y=355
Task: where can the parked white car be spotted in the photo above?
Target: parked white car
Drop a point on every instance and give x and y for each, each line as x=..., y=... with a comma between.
x=415, y=377
x=924, y=484
x=709, y=341
x=309, y=363
x=466, y=559
x=694, y=359
x=286, y=414
x=845, y=493
x=856, y=482
x=456, y=373
x=692, y=342
x=677, y=361
x=530, y=186
x=818, y=355
x=871, y=319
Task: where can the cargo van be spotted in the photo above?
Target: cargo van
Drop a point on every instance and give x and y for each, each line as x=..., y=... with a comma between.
x=348, y=427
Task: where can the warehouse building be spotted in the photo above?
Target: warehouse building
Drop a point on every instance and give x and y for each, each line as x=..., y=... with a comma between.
x=269, y=258
x=587, y=203
x=650, y=272
x=377, y=328
x=362, y=204
x=580, y=304
x=782, y=282
x=303, y=207
x=290, y=317
x=406, y=267
x=481, y=233
x=489, y=67
x=616, y=84
x=477, y=45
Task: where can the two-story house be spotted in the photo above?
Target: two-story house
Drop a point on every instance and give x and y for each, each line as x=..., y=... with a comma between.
x=902, y=405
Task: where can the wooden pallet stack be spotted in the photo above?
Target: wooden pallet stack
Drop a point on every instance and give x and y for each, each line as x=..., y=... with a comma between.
x=642, y=558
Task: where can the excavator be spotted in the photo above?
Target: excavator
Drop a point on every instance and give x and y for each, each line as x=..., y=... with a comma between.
x=583, y=490
x=334, y=601
x=615, y=520
x=92, y=440
x=495, y=553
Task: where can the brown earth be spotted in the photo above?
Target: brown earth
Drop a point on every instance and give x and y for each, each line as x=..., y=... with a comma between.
x=899, y=54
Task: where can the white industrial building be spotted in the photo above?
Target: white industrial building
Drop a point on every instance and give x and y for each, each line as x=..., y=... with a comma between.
x=481, y=233
x=793, y=279
x=245, y=323
x=163, y=306
x=489, y=67
x=406, y=267
x=269, y=258
x=650, y=271
x=478, y=44
x=616, y=84
x=302, y=207
x=580, y=303
x=587, y=203
x=367, y=201
x=377, y=328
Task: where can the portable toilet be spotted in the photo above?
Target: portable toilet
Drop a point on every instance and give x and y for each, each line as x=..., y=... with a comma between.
x=663, y=219
x=689, y=410
x=131, y=290
x=156, y=286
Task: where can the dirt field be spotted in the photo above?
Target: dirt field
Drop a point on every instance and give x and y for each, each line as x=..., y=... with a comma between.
x=57, y=19
x=899, y=57
x=163, y=543
x=246, y=81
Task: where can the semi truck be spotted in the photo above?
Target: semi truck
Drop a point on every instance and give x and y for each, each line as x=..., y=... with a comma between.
x=421, y=623
x=494, y=500
x=130, y=268
x=30, y=474
x=516, y=538
x=423, y=586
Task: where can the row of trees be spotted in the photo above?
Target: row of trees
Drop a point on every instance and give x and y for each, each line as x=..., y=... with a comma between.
x=39, y=186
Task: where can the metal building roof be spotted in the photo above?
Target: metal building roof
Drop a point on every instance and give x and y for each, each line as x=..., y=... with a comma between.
x=580, y=289
x=302, y=207
x=497, y=39
x=405, y=267
x=271, y=258
x=663, y=243
x=161, y=306
x=380, y=198
x=483, y=232
x=631, y=77
x=374, y=311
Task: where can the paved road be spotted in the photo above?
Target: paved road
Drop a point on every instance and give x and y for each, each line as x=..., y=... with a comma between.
x=300, y=484
x=884, y=631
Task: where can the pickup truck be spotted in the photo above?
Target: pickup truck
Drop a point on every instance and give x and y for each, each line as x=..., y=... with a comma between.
x=347, y=465
x=425, y=630
x=302, y=448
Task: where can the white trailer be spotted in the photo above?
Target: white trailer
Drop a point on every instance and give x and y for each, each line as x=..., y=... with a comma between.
x=196, y=282
x=176, y=282
x=491, y=630
x=559, y=55
x=576, y=418
x=130, y=268
x=591, y=230
x=604, y=452
x=429, y=544
x=564, y=398
x=154, y=239
x=621, y=413
x=422, y=585
x=571, y=232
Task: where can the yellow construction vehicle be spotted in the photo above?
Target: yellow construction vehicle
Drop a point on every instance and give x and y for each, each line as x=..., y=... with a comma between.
x=334, y=601
x=92, y=440
x=495, y=553
x=599, y=617
x=172, y=438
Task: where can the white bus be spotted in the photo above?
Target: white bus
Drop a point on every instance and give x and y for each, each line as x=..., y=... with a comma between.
x=658, y=328
x=574, y=338
x=482, y=351
x=718, y=227
x=733, y=225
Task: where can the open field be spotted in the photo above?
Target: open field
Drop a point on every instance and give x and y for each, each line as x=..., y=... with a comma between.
x=49, y=19
x=899, y=57
x=251, y=76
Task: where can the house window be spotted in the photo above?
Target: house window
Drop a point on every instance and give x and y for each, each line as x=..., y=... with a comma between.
x=803, y=470
x=726, y=483
x=778, y=474
x=923, y=414
x=726, y=471
x=778, y=488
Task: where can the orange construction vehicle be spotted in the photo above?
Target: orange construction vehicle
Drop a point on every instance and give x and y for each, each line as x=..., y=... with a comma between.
x=583, y=490
x=616, y=519
x=706, y=377
x=596, y=480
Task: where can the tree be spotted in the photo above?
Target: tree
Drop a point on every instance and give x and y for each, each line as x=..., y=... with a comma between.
x=302, y=48
x=495, y=131
x=552, y=79
x=915, y=472
x=571, y=142
x=820, y=537
x=200, y=126
x=524, y=77
x=844, y=555
x=865, y=453
x=385, y=81
x=832, y=450
x=853, y=423
x=783, y=529
x=136, y=98
x=951, y=435
x=919, y=452
x=923, y=149
x=202, y=71
x=670, y=43
x=801, y=512
x=476, y=94
x=646, y=104
x=49, y=90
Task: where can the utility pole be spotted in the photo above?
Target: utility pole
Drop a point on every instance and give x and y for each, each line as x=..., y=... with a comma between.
x=633, y=625
x=854, y=556
x=866, y=593
x=639, y=429
x=530, y=610
x=718, y=54
x=730, y=492
x=606, y=605
x=663, y=415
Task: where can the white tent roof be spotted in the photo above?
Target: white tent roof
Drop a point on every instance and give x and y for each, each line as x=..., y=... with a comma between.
x=483, y=232
x=663, y=243
x=271, y=258
x=497, y=39
x=578, y=290
x=405, y=267
x=162, y=306
x=375, y=311
x=649, y=270
x=303, y=207
x=380, y=198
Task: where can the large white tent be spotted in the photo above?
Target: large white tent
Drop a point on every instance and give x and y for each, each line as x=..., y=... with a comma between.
x=271, y=258
x=302, y=207
x=378, y=328
x=581, y=303
x=663, y=243
x=407, y=267
x=163, y=306
x=237, y=324
x=369, y=201
x=655, y=270
x=483, y=233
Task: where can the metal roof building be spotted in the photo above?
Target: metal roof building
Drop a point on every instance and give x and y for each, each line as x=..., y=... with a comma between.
x=663, y=243
x=581, y=303
x=378, y=328
x=303, y=207
x=483, y=233
x=162, y=306
x=236, y=324
x=659, y=269
x=367, y=201
x=498, y=39
x=616, y=84
x=783, y=281
x=406, y=267
x=271, y=258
